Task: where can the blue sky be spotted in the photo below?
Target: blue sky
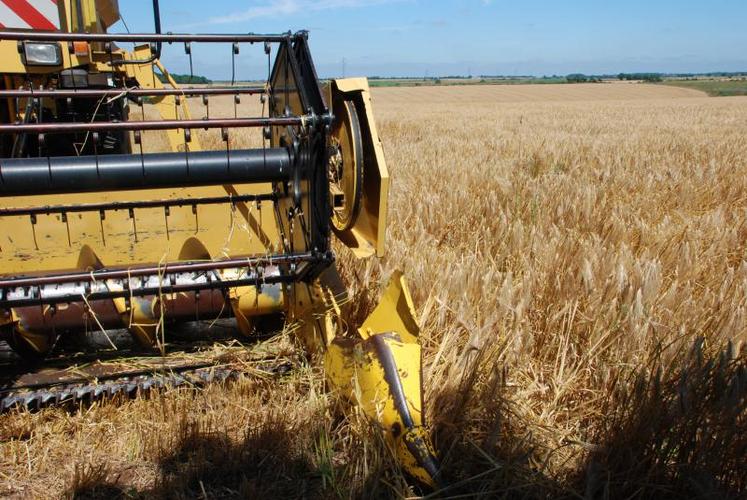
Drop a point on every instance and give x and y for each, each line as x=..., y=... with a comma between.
x=442, y=37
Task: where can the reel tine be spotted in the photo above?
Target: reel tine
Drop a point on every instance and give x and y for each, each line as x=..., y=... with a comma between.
x=63, y=216
x=131, y=213
x=234, y=52
x=166, y=213
x=95, y=141
x=187, y=140
x=138, y=138
x=33, y=230
x=141, y=102
x=102, y=216
x=225, y=135
x=188, y=51
x=177, y=103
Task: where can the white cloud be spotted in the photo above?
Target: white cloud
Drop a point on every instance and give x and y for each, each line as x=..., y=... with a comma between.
x=288, y=7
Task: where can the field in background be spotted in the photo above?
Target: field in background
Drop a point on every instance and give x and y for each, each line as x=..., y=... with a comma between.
x=577, y=258
x=462, y=81
x=713, y=87
x=486, y=96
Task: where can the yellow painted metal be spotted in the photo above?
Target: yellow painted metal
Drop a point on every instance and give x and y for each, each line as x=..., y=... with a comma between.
x=91, y=16
x=141, y=316
x=314, y=314
x=84, y=16
x=366, y=237
x=381, y=371
x=85, y=241
x=395, y=312
x=23, y=339
x=248, y=303
x=11, y=62
x=153, y=237
x=378, y=367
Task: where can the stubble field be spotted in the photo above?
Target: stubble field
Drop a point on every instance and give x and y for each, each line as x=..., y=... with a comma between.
x=578, y=259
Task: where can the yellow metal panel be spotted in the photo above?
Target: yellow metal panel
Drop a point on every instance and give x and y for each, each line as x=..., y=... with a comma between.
x=395, y=312
x=88, y=16
x=381, y=372
x=151, y=237
x=367, y=236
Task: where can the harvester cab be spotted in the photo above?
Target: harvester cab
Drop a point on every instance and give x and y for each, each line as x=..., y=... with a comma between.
x=100, y=231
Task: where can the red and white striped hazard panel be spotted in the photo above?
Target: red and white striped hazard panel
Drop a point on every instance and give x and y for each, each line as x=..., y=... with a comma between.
x=29, y=14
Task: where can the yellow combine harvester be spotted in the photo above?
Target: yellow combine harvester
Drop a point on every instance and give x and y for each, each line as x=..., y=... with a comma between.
x=97, y=233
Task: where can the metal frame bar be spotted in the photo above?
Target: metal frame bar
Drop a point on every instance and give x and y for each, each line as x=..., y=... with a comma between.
x=138, y=92
x=296, y=266
x=178, y=267
x=127, y=205
x=52, y=128
x=150, y=291
x=44, y=36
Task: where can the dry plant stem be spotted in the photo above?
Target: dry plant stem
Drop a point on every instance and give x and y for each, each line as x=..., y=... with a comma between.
x=577, y=257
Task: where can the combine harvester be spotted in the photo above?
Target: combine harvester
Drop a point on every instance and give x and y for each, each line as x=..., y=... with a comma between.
x=97, y=233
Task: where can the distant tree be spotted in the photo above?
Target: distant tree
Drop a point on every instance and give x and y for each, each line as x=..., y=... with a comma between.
x=646, y=77
x=185, y=78
x=577, y=78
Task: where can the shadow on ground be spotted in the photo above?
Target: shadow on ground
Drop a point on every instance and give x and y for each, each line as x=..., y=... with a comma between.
x=486, y=451
x=667, y=433
x=211, y=465
x=677, y=432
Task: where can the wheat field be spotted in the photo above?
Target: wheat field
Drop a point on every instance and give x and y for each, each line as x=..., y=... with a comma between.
x=577, y=256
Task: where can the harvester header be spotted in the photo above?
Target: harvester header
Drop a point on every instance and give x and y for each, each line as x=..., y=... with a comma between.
x=114, y=214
